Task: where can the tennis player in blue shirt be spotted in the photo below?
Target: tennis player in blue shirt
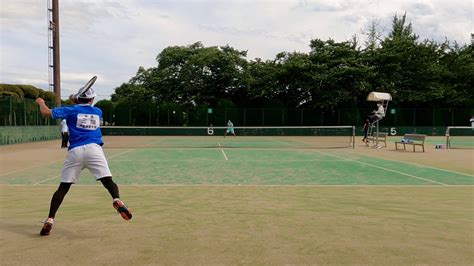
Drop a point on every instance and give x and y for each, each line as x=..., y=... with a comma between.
x=85, y=151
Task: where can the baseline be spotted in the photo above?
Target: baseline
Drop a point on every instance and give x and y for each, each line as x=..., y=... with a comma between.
x=246, y=185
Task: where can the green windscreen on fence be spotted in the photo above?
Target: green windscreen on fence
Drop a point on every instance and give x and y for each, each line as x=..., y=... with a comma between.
x=22, y=134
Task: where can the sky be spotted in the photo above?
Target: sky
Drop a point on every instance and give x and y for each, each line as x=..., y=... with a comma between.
x=112, y=39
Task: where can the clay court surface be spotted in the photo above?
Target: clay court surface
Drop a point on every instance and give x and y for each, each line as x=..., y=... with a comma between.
x=277, y=201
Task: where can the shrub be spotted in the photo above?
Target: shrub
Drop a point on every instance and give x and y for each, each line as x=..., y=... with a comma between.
x=9, y=94
x=12, y=88
x=29, y=91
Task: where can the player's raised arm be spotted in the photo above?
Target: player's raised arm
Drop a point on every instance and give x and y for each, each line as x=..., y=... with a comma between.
x=44, y=109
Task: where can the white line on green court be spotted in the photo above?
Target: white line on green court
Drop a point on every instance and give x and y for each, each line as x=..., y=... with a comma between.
x=222, y=150
x=419, y=165
x=115, y=155
x=34, y=166
x=250, y=185
x=383, y=168
x=46, y=180
x=414, y=164
x=284, y=142
x=253, y=160
x=153, y=142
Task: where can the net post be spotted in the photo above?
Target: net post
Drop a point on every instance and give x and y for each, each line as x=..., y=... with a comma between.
x=353, y=137
x=447, y=138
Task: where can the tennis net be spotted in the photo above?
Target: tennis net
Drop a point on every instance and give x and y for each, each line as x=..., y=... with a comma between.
x=213, y=137
x=460, y=137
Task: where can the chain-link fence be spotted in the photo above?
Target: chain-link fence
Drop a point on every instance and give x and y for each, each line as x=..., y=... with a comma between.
x=21, y=112
x=155, y=116
x=17, y=112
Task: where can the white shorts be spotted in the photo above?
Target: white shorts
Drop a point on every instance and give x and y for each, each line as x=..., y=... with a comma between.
x=88, y=156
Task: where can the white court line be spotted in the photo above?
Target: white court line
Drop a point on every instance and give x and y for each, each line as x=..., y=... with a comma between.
x=51, y=178
x=118, y=154
x=286, y=143
x=253, y=160
x=153, y=142
x=383, y=168
x=222, y=150
x=34, y=166
x=254, y=185
x=414, y=164
x=45, y=180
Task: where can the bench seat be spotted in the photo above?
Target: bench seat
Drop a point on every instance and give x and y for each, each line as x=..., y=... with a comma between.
x=414, y=140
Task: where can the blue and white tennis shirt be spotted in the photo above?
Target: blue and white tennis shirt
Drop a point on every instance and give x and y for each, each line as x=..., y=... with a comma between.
x=83, y=121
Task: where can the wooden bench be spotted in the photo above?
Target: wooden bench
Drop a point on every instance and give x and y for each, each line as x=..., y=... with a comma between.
x=416, y=140
x=382, y=138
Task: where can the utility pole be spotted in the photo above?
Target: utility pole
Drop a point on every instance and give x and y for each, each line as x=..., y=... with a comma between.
x=54, y=68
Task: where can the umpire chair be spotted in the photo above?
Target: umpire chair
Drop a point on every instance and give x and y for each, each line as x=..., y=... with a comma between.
x=384, y=98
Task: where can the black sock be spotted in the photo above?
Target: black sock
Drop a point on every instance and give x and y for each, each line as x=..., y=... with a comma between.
x=110, y=185
x=57, y=198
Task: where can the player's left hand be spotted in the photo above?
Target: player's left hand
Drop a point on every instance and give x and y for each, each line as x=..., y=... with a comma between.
x=39, y=101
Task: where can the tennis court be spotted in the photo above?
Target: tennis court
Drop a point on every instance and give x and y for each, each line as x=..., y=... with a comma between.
x=244, y=200
x=213, y=160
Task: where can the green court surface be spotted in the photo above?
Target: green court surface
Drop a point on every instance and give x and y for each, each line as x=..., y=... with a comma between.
x=229, y=165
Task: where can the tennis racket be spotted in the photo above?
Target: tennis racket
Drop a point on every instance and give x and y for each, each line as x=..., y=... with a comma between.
x=86, y=87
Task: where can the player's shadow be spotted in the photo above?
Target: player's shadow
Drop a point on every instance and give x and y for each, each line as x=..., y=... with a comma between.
x=28, y=230
x=32, y=230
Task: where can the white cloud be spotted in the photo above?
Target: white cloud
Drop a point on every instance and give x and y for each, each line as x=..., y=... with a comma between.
x=112, y=39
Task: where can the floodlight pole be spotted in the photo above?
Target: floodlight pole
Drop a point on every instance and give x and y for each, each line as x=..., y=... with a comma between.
x=53, y=9
x=57, y=76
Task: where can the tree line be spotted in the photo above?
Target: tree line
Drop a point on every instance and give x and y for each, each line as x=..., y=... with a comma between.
x=332, y=75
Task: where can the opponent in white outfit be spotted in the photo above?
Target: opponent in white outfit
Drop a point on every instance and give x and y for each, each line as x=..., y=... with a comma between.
x=64, y=134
